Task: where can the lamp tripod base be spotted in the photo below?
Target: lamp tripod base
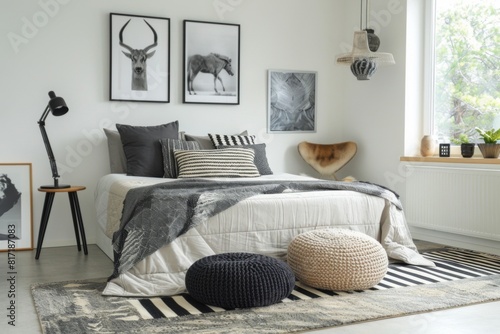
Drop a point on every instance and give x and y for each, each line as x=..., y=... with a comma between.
x=60, y=186
x=56, y=185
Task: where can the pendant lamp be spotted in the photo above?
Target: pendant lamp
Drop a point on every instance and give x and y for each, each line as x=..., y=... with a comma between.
x=364, y=58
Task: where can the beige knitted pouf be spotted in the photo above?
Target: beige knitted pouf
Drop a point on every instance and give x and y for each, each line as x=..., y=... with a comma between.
x=337, y=259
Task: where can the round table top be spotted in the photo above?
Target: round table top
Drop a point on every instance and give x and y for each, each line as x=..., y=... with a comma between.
x=62, y=190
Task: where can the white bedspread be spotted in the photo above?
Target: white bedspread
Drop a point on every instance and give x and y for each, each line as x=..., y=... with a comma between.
x=263, y=224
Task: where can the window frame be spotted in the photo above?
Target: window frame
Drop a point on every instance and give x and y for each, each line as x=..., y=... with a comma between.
x=429, y=66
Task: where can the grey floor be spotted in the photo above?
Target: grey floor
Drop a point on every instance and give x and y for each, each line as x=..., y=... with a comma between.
x=66, y=263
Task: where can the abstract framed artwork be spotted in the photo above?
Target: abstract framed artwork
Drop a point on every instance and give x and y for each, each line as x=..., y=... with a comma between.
x=211, y=63
x=291, y=101
x=16, y=210
x=139, y=58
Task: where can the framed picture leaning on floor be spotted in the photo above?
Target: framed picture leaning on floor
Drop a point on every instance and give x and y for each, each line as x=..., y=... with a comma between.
x=16, y=211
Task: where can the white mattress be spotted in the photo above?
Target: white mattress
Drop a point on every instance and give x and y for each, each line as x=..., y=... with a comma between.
x=263, y=224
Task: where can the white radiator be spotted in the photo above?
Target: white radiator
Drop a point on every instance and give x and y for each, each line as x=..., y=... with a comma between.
x=457, y=200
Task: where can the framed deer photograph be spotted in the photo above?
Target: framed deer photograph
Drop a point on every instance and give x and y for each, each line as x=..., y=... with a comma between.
x=16, y=210
x=139, y=58
x=211, y=62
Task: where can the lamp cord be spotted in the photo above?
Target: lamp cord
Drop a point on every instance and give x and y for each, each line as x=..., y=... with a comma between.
x=367, y=11
x=367, y=8
x=361, y=16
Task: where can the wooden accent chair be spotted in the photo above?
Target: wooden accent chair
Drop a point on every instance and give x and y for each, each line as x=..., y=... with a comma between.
x=327, y=159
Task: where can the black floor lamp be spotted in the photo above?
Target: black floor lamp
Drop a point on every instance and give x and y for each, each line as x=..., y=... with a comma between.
x=58, y=108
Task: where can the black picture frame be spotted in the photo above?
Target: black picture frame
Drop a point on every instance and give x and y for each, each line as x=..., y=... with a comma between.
x=139, y=69
x=291, y=105
x=214, y=48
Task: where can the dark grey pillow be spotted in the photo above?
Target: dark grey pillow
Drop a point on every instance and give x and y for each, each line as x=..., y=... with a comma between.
x=167, y=146
x=142, y=147
x=260, y=159
x=117, y=159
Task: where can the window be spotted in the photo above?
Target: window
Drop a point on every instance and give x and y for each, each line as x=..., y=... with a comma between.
x=465, y=65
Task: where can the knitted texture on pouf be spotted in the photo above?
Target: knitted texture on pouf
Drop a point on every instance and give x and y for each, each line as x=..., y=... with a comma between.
x=337, y=259
x=239, y=280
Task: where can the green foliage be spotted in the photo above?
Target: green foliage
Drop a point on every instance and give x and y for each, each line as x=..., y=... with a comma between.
x=489, y=136
x=467, y=84
x=462, y=139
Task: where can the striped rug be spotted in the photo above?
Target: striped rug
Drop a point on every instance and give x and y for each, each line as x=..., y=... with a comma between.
x=451, y=264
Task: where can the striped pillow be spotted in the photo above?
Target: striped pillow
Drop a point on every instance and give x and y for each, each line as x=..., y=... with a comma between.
x=167, y=147
x=228, y=140
x=229, y=162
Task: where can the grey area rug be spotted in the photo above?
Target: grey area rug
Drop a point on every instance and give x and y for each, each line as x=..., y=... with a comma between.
x=78, y=307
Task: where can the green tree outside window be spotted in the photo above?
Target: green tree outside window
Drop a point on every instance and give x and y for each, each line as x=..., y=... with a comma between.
x=467, y=68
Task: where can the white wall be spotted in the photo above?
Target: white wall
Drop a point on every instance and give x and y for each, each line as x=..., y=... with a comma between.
x=375, y=110
x=67, y=50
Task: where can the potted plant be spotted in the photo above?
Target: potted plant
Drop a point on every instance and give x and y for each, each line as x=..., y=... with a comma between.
x=466, y=147
x=490, y=148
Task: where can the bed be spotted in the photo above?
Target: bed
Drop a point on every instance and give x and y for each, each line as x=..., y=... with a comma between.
x=263, y=221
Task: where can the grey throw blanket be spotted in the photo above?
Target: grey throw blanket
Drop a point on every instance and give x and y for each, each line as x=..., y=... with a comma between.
x=153, y=216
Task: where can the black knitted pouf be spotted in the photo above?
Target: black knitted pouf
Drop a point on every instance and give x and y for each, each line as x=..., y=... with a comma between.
x=239, y=280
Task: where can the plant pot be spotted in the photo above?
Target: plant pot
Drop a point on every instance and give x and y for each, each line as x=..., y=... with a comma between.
x=490, y=150
x=467, y=149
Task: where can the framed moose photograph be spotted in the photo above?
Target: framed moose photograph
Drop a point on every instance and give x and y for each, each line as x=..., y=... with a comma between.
x=139, y=58
x=291, y=103
x=211, y=62
x=16, y=211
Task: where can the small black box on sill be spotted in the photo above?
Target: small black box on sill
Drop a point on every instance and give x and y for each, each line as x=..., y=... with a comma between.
x=444, y=150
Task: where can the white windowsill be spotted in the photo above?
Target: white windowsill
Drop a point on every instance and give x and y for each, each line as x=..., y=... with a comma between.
x=452, y=159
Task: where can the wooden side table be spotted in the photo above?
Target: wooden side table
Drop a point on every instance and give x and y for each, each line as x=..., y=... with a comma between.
x=75, y=212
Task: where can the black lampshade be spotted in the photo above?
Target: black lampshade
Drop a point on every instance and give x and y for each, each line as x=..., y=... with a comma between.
x=57, y=104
